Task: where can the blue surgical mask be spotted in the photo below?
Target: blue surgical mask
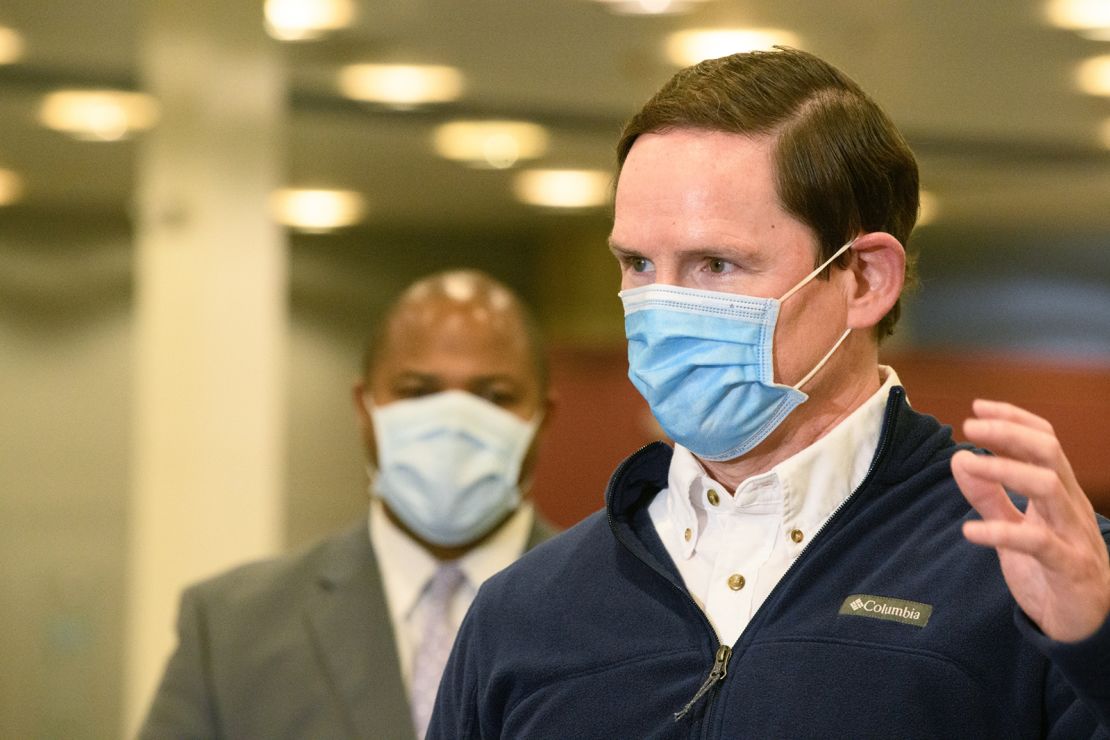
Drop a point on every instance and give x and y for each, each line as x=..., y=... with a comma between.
x=449, y=464
x=703, y=361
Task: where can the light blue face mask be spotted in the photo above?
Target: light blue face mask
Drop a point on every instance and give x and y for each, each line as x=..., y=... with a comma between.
x=703, y=361
x=448, y=464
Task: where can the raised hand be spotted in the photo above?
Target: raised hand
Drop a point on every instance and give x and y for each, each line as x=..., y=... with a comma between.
x=1053, y=557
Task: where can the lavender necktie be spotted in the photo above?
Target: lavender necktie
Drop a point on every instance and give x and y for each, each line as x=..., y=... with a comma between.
x=435, y=644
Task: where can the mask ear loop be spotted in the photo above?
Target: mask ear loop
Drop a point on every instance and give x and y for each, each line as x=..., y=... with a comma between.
x=799, y=286
x=817, y=272
x=824, y=359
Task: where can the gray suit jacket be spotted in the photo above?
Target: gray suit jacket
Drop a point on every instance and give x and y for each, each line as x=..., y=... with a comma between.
x=296, y=647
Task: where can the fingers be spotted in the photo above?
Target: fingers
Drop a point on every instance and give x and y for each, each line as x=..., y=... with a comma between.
x=985, y=409
x=985, y=494
x=1029, y=461
x=1015, y=433
x=987, y=477
x=1052, y=555
x=1037, y=542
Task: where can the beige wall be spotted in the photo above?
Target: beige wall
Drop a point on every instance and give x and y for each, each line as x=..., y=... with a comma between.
x=64, y=413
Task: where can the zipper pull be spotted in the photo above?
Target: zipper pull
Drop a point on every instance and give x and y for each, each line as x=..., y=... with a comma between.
x=717, y=674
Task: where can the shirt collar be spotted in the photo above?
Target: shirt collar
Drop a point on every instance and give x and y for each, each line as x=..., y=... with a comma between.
x=406, y=567
x=807, y=487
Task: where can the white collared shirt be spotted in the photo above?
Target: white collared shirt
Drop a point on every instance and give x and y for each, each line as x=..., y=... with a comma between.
x=732, y=550
x=407, y=568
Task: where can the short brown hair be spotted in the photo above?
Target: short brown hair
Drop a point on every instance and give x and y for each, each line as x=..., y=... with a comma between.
x=841, y=166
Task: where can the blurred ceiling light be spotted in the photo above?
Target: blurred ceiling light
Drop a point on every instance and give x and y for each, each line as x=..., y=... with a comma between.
x=1090, y=18
x=11, y=45
x=930, y=208
x=1093, y=75
x=495, y=144
x=317, y=211
x=690, y=47
x=11, y=187
x=305, y=20
x=649, y=7
x=563, y=188
x=98, y=115
x=400, y=85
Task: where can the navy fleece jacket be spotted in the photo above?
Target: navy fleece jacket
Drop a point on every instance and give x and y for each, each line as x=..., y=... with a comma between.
x=593, y=634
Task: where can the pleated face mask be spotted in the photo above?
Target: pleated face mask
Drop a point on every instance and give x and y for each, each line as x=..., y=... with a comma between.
x=703, y=361
x=448, y=464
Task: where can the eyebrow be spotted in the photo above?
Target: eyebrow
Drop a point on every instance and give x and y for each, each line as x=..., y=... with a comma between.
x=436, y=379
x=484, y=380
x=414, y=375
x=740, y=254
x=618, y=251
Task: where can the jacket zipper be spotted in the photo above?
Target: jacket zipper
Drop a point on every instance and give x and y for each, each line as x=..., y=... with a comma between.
x=720, y=663
x=716, y=674
x=719, y=669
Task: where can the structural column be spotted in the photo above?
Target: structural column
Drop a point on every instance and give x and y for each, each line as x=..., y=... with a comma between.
x=210, y=317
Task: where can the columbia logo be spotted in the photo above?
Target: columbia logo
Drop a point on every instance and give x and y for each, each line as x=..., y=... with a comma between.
x=885, y=607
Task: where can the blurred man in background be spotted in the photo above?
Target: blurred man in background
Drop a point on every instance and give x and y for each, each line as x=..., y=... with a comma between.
x=349, y=638
x=813, y=558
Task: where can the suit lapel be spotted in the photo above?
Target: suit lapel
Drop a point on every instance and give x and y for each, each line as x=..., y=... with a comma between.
x=350, y=629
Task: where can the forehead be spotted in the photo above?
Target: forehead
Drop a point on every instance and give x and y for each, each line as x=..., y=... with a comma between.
x=456, y=339
x=690, y=187
x=691, y=166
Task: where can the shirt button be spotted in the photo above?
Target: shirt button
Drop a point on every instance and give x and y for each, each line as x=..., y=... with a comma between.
x=713, y=497
x=736, y=581
x=796, y=535
x=687, y=534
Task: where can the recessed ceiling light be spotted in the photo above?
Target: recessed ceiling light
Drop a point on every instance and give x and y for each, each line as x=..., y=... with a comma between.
x=401, y=85
x=98, y=115
x=1093, y=75
x=649, y=7
x=11, y=187
x=305, y=20
x=493, y=144
x=1090, y=18
x=11, y=45
x=317, y=211
x=563, y=188
x=692, y=46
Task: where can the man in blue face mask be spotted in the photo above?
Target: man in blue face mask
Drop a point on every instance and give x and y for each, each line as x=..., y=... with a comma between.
x=349, y=638
x=813, y=558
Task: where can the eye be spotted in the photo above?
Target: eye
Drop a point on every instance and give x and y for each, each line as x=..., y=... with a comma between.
x=502, y=398
x=718, y=266
x=639, y=264
x=411, y=392
x=499, y=394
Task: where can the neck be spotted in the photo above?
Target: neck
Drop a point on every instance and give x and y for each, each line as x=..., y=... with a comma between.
x=826, y=408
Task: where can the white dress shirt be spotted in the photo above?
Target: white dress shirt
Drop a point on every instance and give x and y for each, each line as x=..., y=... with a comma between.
x=732, y=550
x=407, y=568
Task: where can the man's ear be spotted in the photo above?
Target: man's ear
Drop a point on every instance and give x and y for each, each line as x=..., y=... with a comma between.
x=878, y=270
x=548, y=407
x=365, y=424
x=358, y=396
